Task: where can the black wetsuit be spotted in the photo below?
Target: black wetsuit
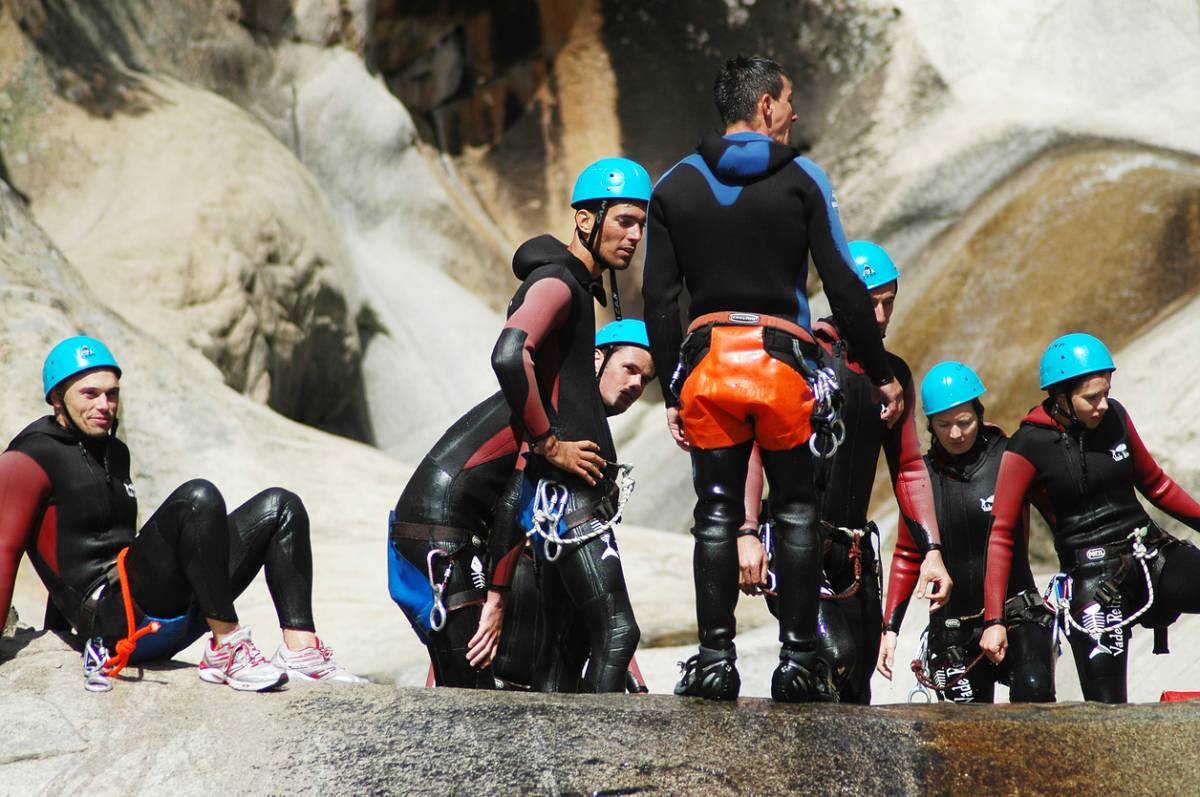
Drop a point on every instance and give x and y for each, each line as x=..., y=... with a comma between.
x=848, y=628
x=544, y=360
x=963, y=492
x=69, y=502
x=450, y=504
x=1084, y=482
x=735, y=223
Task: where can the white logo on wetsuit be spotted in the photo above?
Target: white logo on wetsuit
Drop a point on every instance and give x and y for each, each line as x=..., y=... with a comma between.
x=1093, y=618
x=609, y=548
x=1120, y=452
x=986, y=503
x=129, y=490
x=478, y=579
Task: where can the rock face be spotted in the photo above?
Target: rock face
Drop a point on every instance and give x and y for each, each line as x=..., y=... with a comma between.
x=373, y=739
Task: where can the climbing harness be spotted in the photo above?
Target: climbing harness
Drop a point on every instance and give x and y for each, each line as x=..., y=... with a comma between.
x=854, y=554
x=437, y=613
x=550, y=505
x=1058, y=595
x=920, y=670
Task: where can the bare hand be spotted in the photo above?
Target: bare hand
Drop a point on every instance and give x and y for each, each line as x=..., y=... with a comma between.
x=752, y=564
x=891, y=396
x=887, y=654
x=934, y=582
x=994, y=642
x=481, y=650
x=675, y=427
x=580, y=457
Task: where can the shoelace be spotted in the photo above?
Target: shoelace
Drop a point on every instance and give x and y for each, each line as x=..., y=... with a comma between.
x=253, y=655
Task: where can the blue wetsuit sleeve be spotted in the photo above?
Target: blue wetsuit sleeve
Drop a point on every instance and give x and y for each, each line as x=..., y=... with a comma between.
x=662, y=283
x=848, y=297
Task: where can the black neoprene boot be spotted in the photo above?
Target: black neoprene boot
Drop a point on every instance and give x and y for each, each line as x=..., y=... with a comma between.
x=710, y=674
x=802, y=677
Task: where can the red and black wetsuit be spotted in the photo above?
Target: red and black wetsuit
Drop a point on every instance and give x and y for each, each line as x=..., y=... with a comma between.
x=849, y=630
x=963, y=492
x=1085, y=482
x=735, y=223
x=450, y=503
x=68, y=501
x=544, y=360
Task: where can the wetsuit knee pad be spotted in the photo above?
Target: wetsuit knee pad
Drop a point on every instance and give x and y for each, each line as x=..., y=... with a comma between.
x=203, y=496
x=836, y=643
x=289, y=508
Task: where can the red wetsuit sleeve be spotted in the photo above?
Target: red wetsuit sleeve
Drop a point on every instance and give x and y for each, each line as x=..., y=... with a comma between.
x=1008, y=515
x=902, y=578
x=546, y=307
x=754, y=490
x=24, y=490
x=910, y=477
x=1159, y=488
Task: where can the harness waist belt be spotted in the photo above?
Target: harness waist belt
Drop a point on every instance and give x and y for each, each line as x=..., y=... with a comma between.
x=751, y=320
x=955, y=622
x=429, y=532
x=603, y=505
x=1114, y=550
x=468, y=597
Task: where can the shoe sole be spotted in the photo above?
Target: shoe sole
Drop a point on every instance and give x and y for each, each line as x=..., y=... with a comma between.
x=215, y=676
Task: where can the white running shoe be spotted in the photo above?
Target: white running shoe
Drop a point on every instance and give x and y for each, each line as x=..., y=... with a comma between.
x=313, y=664
x=238, y=662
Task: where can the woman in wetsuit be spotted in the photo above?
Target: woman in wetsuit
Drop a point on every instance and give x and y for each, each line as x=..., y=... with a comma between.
x=963, y=462
x=1080, y=455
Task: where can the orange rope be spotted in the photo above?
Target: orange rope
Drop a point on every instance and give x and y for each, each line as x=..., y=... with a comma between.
x=126, y=646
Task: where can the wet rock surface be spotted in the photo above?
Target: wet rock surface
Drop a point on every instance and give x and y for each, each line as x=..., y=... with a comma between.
x=168, y=730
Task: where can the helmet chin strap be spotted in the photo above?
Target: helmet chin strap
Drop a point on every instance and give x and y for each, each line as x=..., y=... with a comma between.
x=592, y=244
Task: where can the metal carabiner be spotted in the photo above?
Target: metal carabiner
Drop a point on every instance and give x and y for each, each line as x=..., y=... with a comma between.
x=438, y=613
x=95, y=657
x=922, y=691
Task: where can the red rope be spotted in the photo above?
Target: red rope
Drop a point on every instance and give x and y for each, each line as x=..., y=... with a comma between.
x=126, y=646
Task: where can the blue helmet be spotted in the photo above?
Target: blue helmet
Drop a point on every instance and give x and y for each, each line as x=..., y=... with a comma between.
x=947, y=385
x=1074, y=355
x=873, y=264
x=74, y=356
x=627, y=332
x=611, y=178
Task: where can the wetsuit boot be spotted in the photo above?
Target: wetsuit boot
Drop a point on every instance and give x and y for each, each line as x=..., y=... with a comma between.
x=802, y=677
x=711, y=674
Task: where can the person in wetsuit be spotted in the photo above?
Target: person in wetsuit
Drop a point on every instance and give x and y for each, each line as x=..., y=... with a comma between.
x=1080, y=456
x=850, y=614
x=67, y=500
x=446, y=513
x=963, y=462
x=544, y=360
x=735, y=223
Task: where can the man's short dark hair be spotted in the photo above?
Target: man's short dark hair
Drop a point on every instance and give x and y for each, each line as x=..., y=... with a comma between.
x=741, y=81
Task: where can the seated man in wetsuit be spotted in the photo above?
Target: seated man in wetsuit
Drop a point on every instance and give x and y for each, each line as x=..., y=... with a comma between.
x=67, y=500
x=441, y=525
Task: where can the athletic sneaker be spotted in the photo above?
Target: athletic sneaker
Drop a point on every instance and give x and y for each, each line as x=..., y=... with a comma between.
x=313, y=664
x=238, y=662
